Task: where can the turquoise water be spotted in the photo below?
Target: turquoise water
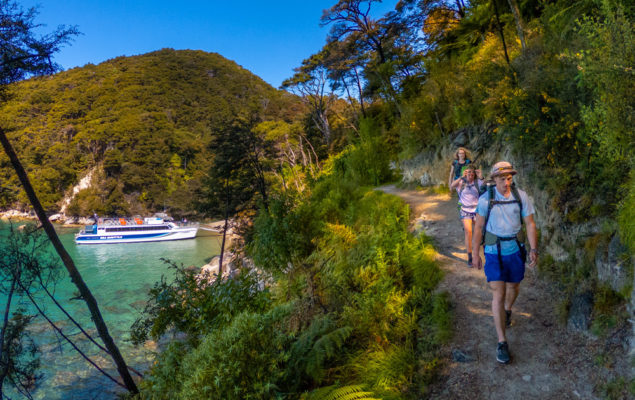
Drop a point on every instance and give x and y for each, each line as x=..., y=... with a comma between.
x=119, y=275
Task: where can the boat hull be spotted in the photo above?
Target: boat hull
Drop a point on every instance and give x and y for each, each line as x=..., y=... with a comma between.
x=136, y=237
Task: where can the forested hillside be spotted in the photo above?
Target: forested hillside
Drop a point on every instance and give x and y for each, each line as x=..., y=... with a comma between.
x=144, y=124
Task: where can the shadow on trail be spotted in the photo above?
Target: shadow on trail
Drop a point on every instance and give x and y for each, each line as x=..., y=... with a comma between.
x=451, y=252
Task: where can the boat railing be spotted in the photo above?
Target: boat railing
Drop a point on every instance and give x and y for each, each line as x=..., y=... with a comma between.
x=144, y=221
x=126, y=221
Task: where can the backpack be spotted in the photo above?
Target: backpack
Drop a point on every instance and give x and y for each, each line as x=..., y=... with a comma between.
x=485, y=188
x=489, y=187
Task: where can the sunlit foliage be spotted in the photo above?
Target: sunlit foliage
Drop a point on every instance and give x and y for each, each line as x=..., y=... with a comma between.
x=353, y=300
x=143, y=122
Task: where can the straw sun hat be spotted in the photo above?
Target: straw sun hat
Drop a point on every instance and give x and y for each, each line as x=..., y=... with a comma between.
x=501, y=168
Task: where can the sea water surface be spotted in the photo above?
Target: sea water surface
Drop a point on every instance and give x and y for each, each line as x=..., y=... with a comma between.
x=119, y=276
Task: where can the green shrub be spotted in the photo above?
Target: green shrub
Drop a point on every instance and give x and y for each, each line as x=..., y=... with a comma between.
x=618, y=389
x=626, y=216
x=196, y=306
x=86, y=202
x=608, y=310
x=603, y=323
x=606, y=300
x=366, y=161
x=164, y=381
x=283, y=234
x=242, y=361
x=319, y=344
x=388, y=370
x=357, y=288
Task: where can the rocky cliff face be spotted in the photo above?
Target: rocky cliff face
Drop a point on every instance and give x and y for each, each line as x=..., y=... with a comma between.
x=560, y=241
x=84, y=183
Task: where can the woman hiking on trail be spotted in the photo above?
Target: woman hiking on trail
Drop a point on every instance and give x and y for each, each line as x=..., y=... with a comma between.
x=461, y=160
x=501, y=212
x=468, y=187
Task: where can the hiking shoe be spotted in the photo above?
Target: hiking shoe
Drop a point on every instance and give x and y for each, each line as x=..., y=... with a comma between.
x=508, y=318
x=502, y=353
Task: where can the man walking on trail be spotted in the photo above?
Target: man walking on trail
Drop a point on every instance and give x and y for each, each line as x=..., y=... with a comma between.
x=500, y=214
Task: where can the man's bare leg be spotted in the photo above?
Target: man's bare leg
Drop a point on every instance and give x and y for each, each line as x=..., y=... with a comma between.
x=498, y=308
x=511, y=293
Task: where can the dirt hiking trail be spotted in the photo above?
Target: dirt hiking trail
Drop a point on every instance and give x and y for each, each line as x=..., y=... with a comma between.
x=548, y=362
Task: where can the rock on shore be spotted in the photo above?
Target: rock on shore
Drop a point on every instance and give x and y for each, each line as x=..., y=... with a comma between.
x=57, y=218
x=16, y=214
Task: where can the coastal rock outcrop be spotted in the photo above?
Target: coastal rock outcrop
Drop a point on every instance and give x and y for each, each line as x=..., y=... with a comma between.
x=209, y=271
x=16, y=214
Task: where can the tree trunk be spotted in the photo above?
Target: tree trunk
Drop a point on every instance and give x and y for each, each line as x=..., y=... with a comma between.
x=222, y=250
x=4, y=356
x=513, y=4
x=459, y=8
x=361, y=95
x=322, y=123
x=259, y=173
x=500, y=31
x=222, y=246
x=436, y=114
x=348, y=92
x=76, y=277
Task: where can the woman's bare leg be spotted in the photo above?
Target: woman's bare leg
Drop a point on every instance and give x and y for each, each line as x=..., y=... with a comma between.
x=467, y=228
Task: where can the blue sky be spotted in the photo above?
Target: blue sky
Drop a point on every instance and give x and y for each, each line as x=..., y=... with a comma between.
x=269, y=38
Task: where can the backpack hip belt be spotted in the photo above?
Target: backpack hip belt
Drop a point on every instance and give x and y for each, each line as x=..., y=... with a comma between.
x=491, y=239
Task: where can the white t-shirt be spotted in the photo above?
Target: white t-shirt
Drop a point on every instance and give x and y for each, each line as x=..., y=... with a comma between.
x=504, y=219
x=468, y=195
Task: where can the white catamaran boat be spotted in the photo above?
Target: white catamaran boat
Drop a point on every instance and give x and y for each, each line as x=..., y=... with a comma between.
x=125, y=230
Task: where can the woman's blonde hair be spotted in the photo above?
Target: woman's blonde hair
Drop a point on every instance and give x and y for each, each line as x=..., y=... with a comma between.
x=467, y=153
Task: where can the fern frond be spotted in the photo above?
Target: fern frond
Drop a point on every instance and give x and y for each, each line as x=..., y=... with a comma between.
x=303, y=345
x=326, y=347
x=351, y=392
x=320, y=342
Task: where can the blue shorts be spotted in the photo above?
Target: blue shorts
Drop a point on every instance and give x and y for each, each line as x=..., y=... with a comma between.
x=467, y=215
x=513, y=270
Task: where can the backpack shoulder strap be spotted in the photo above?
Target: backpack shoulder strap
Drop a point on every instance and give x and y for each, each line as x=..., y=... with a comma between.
x=490, y=205
x=519, y=200
x=461, y=187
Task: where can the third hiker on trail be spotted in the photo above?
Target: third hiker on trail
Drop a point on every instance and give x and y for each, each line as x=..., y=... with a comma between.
x=501, y=212
x=461, y=160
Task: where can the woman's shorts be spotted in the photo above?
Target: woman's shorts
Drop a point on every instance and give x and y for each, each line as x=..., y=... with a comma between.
x=465, y=215
x=513, y=270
